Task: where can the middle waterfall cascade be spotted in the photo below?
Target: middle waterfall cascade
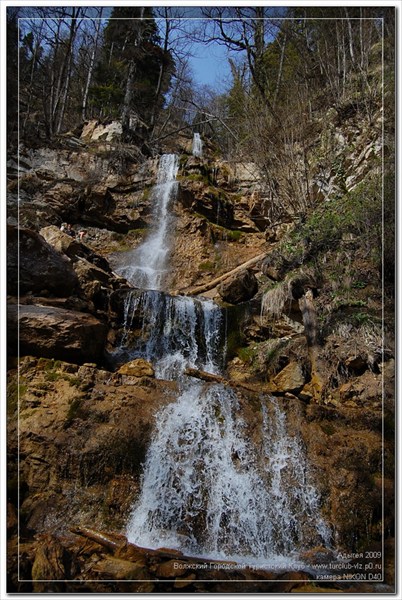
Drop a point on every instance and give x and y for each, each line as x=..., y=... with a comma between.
x=176, y=332
x=197, y=145
x=206, y=491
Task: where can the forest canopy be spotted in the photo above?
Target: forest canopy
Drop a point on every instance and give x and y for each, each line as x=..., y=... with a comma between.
x=134, y=64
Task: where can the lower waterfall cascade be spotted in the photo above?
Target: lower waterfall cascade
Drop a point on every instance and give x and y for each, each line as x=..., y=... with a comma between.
x=206, y=488
x=207, y=492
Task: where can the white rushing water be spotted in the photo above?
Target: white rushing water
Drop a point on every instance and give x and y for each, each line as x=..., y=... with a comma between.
x=176, y=332
x=145, y=267
x=197, y=145
x=206, y=491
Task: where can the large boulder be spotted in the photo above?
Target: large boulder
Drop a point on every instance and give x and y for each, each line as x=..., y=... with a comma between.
x=66, y=244
x=95, y=130
x=290, y=379
x=34, y=266
x=137, y=368
x=239, y=288
x=60, y=241
x=58, y=333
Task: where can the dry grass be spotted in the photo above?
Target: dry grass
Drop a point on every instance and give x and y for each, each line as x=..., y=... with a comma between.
x=274, y=300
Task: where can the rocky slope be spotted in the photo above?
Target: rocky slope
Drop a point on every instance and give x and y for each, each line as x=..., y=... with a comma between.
x=304, y=320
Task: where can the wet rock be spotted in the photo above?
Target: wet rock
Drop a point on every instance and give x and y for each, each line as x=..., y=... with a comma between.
x=33, y=265
x=137, y=368
x=290, y=379
x=239, y=288
x=83, y=436
x=95, y=284
x=56, y=332
x=208, y=201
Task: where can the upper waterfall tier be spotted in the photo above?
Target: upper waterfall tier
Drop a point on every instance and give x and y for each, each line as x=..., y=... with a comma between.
x=145, y=267
x=197, y=145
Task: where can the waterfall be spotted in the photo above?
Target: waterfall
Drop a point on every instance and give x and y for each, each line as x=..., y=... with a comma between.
x=207, y=487
x=145, y=266
x=206, y=491
x=176, y=332
x=197, y=145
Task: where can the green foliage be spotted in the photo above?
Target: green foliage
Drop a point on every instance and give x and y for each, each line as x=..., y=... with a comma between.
x=146, y=194
x=207, y=265
x=129, y=40
x=107, y=96
x=16, y=388
x=75, y=411
x=217, y=194
x=360, y=318
x=357, y=212
x=277, y=82
x=225, y=234
x=194, y=177
x=234, y=235
x=246, y=354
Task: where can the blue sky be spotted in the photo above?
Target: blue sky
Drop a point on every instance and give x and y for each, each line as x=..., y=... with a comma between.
x=210, y=66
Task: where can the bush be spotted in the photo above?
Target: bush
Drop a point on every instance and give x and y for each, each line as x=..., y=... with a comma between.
x=358, y=212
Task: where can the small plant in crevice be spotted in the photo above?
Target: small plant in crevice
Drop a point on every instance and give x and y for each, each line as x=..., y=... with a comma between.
x=207, y=265
x=75, y=411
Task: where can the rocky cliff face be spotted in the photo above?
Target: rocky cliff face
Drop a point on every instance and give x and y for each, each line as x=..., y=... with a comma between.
x=303, y=303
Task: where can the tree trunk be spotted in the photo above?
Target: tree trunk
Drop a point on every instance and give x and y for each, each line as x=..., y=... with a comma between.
x=351, y=47
x=280, y=71
x=30, y=94
x=128, y=97
x=209, y=286
x=91, y=67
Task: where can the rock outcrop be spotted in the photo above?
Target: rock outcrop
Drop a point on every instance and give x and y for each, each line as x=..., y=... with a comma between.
x=239, y=288
x=58, y=333
x=84, y=430
x=34, y=266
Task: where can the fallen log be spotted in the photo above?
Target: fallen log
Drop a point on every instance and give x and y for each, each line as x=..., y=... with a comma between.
x=211, y=378
x=109, y=541
x=118, y=542
x=204, y=376
x=211, y=284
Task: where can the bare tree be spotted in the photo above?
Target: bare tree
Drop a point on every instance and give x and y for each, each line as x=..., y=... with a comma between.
x=97, y=25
